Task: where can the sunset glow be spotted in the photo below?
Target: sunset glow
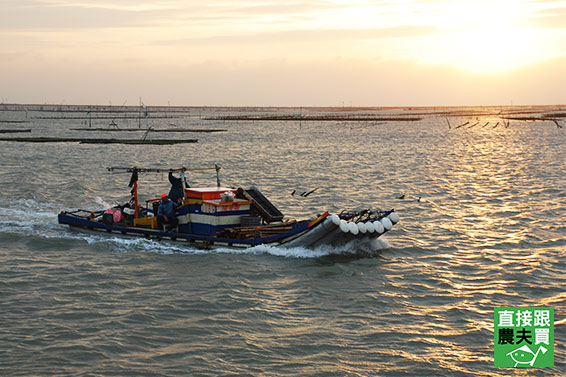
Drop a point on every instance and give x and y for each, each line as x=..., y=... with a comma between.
x=492, y=36
x=216, y=45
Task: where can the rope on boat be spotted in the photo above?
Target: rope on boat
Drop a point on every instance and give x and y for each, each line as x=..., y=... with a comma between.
x=89, y=214
x=155, y=170
x=363, y=215
x=135, y=170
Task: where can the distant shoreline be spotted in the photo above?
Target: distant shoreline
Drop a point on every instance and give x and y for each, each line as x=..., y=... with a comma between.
x=159, y=108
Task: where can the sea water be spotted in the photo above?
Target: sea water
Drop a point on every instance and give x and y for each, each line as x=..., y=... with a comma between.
x=482, y=225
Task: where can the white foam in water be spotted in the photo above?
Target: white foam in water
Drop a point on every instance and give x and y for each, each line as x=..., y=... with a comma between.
x=30, y=217
x=101, y=201
x=291, y=252
x=135, y=244
x=25, y=209
x=353, y=247
x=25, y=216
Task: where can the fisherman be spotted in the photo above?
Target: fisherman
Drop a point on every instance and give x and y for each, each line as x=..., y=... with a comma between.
x=176, y=192
x=166, y=213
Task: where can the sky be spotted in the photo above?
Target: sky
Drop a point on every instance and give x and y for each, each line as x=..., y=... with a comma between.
x=283, y=53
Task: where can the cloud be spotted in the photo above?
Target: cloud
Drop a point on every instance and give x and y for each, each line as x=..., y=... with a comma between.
x=173, y=14
x=123, y=5
x=554, y=19
x=294, y=36
x=280, y=82
x=41, y=14
x=253, y=53
x=276, y=7
x=38, y=16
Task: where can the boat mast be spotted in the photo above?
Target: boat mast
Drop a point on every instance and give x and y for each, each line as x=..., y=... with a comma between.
x=134, y=184
x=135, y=170
x=136, y=214
x=217, y=175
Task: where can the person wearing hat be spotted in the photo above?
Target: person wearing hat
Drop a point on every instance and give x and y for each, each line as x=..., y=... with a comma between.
x=166, y=213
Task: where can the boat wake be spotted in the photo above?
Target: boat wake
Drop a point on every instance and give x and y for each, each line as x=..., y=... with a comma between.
x=354, y=248
x=25, y=219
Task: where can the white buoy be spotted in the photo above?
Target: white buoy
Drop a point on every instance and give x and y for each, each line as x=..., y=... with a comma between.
x=353, y=232
x=370, y=227
x=344, y=226
x=335, y=219
x=393, y=217
x=353, y=228
x=378, y=227
x=362, y=228
x=386, y=223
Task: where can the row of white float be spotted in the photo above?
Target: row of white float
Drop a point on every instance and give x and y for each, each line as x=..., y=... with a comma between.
x=334, y=230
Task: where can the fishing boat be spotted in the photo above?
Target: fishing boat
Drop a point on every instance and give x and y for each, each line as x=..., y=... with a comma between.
x=212, y=217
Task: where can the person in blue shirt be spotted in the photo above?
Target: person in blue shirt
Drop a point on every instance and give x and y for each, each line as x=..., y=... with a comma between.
x=166, y=213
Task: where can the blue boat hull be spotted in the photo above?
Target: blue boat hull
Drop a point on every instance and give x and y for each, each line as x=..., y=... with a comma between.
x=323, y=230
x=196, y=240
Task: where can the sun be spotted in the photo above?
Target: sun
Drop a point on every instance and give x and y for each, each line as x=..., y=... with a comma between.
x=484, y=36
x=492, y=49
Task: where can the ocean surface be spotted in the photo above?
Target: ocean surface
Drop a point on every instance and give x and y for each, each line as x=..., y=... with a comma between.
x=483, y=224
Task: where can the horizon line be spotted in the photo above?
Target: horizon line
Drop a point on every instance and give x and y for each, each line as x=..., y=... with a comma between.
x=19, y=104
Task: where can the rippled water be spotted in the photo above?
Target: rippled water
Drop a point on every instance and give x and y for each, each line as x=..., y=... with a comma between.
x=487, y=231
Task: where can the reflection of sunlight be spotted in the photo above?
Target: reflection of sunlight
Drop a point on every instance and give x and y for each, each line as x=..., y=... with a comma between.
x=487, y=223
x=494, y=207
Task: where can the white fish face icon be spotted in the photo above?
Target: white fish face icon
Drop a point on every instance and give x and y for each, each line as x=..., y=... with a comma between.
x=524, y=355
